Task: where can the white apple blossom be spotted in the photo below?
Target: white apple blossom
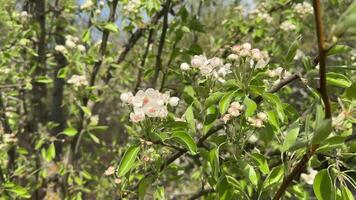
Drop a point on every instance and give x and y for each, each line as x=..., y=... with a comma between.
x=233, y=57
x=126, y=97
x=138, y=115
x=60, y=48
x=184, y=66
x=81, y=48
x=198, y=61
x=246, y=46
x=262, y=116
x=303, y=9
x=110, y=171
x=235, y=109
x=258, y=123
x=216, y=62
x=309, y=178
x=150, y=103
x=173, y=101
x=226, y=118
x=70, y=44
x=78, y=80
x=288, y=26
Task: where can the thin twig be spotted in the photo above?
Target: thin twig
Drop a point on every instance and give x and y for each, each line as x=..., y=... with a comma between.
x=133, y=40
x=162, y=40
x=143, y=61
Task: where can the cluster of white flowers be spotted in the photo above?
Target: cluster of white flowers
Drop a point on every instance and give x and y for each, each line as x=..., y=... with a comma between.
x=278, y=72
x=213, y=67
x=258, y=120
x=261, y=12
x=255, y=55
x=309, y=178
x=78, y=80
x=288, y=26
x=234, y=110
x=9, y=138
x=70, y=43
x=303, y=9
x=87, y=5
x=265, y=16
x=132, y=7
x=150, y=103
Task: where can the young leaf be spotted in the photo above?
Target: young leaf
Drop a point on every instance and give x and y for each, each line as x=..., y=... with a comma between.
x=186, y=140
x=142, y=187
x=346, y=193
x=250, y=106
x=338, y=79
x=224, y=103
x=339, y=49
x=322, y=131
x=291, y=136
x=212, y=99
x=351, y=92
x=189, y=116
x=273, y=177
x=70, y=131
x=214, y=162
x=261, y=162
x=128, y=160
x=51, y=152
x=111, y=27
x=322, y=185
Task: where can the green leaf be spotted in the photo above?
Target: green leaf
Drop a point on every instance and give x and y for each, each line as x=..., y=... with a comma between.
x=51, y=152
x=252, y=175
x=338, y=79
x=17, y=190
x=293, y=49
x=214, y=162
x=346, y=193
x=213, y=98
x=291, y=136
x=339, y=49
x=142, y=187
x=86, y=36
x=224, y=103
x=276, y=103
x=250, y=106
x=128, y=160
x=322, y=185
x=274, y=177
x=351, y=92
x=186, y=140
x=189, y=116
x=233, y=182
x=70, y=131
x=322, y=131
x=261, y=162
x=44, y=79
x=111, y=27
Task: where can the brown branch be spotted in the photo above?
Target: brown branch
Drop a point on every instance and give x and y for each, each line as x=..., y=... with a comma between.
x=133, y=40
x=161, y=44
x=143, y=61
x=323, y=92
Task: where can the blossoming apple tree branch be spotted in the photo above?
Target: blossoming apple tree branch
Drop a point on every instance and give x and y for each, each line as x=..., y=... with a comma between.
x=324, y=94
